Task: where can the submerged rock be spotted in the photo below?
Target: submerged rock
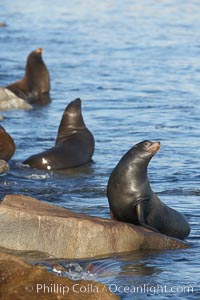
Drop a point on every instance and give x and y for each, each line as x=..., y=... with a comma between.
x=4, y=166
x=8, y=100
x=19, y=280
x=30, y=224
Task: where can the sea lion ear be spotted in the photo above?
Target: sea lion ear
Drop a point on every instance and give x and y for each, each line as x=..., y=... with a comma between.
x=147, y=143
x=143, y=144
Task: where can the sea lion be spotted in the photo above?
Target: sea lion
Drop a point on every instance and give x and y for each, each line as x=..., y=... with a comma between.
x=7, y=145
x=35, y=86
x=132, y=200
x=74, y=144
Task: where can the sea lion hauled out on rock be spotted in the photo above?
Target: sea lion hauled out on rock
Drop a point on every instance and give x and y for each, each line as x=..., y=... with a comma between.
x=132, y=200
x=35, y=85
x=7, y=145
x=74, y=144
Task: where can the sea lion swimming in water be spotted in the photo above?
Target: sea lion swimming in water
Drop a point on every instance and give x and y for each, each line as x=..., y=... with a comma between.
x=132, y=200
x=35, y=85
x=74, y=144
x=7, y=145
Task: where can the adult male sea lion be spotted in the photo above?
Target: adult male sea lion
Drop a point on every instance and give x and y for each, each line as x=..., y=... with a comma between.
x=132, y=200
x=7, y=145
x=35, y=85
x=74, y=144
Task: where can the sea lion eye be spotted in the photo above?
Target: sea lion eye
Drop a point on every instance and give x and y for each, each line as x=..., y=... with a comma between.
x=147, y=143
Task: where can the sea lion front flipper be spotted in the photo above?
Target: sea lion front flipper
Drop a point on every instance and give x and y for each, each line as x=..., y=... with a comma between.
x=140, y=216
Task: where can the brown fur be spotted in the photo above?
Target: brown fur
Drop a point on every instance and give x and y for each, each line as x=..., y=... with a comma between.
x=7, y=145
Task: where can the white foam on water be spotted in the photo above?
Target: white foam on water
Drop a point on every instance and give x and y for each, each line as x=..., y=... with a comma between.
x=74, y=271
x=38, y=176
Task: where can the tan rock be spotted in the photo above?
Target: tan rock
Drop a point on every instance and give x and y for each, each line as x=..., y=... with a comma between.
x=21, y=281
x=8, y=100
x=30, y=224
x=4, y=166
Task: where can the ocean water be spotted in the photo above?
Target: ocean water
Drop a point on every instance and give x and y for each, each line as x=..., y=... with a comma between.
x=136, y=67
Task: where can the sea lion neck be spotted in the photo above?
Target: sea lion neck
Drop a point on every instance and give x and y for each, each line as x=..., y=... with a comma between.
x=137, y=164
x=139, y=159
x=139, y=169
x=72, y=120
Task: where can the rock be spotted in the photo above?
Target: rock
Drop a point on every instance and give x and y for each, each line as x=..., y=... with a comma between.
x=3, y=24
x=30, y=224
x=4, y=166
x=21, y=281
x=8, y=100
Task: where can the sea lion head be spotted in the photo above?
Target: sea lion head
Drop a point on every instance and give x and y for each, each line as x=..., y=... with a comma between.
x=36, y=70
x=146, y=149
x=72, y=120
x=35, y=56
x=151, y=147
x=72, y=116
x=73, y=108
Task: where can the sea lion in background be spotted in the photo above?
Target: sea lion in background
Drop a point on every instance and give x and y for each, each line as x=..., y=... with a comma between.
x=7, y=145
x=74, y=144
x=35, y=86
x=132, y=200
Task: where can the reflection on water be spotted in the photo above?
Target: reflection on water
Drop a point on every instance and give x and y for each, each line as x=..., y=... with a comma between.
x=135, y=64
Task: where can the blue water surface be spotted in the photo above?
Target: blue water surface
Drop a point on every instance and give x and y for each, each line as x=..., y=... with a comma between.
x=136, y=66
